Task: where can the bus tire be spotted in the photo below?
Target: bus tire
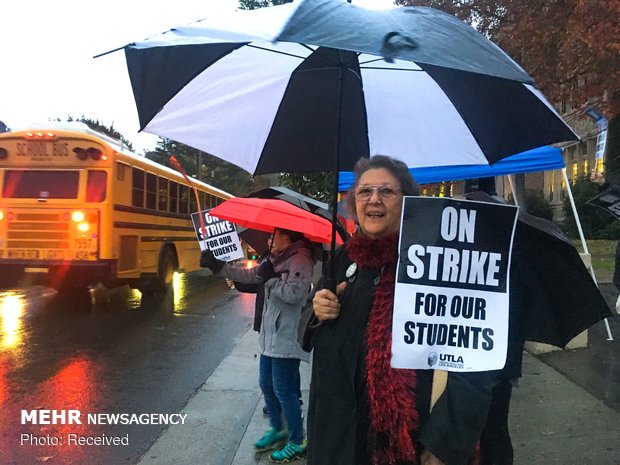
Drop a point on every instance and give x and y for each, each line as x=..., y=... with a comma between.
x=168, y=265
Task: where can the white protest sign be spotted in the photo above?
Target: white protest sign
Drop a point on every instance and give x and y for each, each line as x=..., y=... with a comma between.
x=222, y=238
x=452, y=285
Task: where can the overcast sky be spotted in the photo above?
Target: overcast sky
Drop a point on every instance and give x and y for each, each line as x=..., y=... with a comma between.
x=47, y=46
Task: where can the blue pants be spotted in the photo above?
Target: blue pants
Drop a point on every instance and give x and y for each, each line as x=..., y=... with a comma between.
x=280, y=383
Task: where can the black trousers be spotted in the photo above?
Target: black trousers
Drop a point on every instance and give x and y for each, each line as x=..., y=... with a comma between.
x=495, y=443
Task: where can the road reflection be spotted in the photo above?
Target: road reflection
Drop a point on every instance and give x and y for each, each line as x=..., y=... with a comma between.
x=74, y=352
x=11, y=311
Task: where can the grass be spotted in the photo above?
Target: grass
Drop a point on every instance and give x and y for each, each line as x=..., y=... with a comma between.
x=603, y=257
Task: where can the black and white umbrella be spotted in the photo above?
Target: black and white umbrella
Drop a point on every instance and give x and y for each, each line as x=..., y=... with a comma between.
x=314, y=85
x=317, y=84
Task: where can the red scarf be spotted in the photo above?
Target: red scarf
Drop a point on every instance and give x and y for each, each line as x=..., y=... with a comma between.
x=393, y=412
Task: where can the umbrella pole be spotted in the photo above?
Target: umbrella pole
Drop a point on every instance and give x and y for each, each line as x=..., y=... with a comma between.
x=330, y=280
x=583, y=240
x=511, y=181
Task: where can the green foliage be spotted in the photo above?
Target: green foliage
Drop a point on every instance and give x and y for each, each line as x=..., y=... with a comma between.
x=98, y=126
x=318, y=185
x=255, y=4
x=595, y=222
x=538, y=205
x=207, y=168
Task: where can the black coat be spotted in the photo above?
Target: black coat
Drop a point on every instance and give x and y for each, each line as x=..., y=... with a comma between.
x=338, y=411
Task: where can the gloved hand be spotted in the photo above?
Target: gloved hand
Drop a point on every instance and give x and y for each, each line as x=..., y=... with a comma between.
x=265, y=271
x=208, y=260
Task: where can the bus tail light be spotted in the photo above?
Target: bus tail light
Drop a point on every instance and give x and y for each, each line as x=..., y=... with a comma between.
x=78, y=216
x=83, y=227
x=94, y=153
x=41, y=135
x=4, y=153
x=91, y=152
x=1, y=215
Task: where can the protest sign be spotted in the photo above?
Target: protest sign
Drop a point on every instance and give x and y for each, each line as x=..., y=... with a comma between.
x=222, y=238
x=451, y=297
x=608, y=200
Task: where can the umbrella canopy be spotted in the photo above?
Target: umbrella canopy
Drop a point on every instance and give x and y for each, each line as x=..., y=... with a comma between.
x=564, y=298
x=268, y=214
x=317, y=84
x=301, y=201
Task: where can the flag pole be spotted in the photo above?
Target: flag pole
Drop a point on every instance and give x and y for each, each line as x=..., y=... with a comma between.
x=177, y=166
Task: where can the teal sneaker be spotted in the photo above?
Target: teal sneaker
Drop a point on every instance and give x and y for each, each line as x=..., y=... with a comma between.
x=289, y=452
x=272, y=439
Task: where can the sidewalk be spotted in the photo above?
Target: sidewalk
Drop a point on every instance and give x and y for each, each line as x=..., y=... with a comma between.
x=553, y=420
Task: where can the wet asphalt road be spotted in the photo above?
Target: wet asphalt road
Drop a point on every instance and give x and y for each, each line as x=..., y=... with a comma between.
x=118, y=354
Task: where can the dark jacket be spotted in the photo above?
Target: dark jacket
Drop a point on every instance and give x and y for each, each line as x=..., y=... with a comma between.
x=338, y=413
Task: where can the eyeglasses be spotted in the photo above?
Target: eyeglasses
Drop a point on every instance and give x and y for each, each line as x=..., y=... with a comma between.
x=364, y=192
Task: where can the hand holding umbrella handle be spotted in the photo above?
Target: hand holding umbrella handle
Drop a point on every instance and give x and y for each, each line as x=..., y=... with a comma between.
x=208, y=260
x=265, y=271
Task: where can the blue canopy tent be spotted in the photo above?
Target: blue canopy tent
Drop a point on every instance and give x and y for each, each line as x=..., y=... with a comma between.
x=540, y=159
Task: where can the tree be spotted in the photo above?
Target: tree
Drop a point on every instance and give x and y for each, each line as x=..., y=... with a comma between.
x=255, y=4
x=210, y=169
x=318, y=185
x=98, y=126
x=570, y=47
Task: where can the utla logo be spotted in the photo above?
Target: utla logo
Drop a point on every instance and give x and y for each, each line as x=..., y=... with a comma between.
x=450, y=358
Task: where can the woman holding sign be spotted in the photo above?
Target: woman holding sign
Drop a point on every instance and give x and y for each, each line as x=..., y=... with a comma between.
x=286, y=275
x=361, y=410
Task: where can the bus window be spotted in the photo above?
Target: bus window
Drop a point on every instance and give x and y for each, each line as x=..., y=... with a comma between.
x=121, y=169
x=162, y=194
x=174, y=197
x=35, y=184
x=96, y=186
x=183, y=198
x=192, y=202
x=151, y=191
x=137, y=190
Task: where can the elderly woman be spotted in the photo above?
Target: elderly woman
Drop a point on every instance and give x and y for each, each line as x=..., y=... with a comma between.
x=362, y=411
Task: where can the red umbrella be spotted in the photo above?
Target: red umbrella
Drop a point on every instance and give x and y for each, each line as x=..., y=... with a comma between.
x=267, y=214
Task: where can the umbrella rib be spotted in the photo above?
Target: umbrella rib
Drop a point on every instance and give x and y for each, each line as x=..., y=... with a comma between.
x=277, y=51
x=392, y=69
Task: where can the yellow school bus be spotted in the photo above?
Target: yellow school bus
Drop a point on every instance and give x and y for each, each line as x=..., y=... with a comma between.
x=77, y=208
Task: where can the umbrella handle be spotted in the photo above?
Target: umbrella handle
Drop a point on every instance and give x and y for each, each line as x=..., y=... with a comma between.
x=330, y=283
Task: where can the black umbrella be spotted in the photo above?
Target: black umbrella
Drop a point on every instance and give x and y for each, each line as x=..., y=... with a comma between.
x=563, y=298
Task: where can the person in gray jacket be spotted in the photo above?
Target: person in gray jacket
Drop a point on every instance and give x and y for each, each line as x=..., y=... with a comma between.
x=286, y=275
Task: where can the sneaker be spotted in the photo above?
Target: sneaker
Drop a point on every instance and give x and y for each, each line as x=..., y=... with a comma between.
x=272, y=439
x=289, y=452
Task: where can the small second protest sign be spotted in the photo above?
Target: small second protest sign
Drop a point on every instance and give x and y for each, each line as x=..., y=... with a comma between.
x=608, y=200
x=221, y=237
x=452, y=285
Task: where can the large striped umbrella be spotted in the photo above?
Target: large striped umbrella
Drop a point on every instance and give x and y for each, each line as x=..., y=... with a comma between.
x=316, y=84
x=306, y=85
